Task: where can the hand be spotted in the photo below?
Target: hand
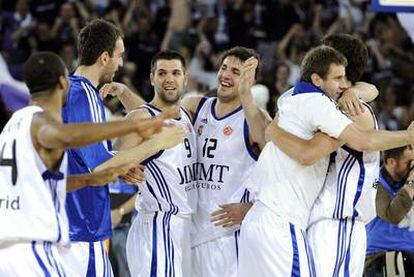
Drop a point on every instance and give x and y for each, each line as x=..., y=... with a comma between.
x=247, y=75
x=116, y=217
x=134, y=175
x=230, y=215
x=103, y=177
x=114, y=89
x=350, y=103
x=169, y=136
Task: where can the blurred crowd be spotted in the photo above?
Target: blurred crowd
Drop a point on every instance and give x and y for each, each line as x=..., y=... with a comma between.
x=282, y=31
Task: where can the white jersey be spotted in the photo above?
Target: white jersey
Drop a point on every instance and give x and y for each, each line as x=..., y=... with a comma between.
x=170, y=184
x=32, y=199
x=281, y=183
x=225, y=159
x=349, y=188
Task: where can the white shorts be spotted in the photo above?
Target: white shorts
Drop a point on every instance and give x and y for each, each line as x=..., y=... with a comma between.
x=31, y=259
x=270, y=246
x=158, y=244
x=338, y=247
x=88, y=259
x=216, y=258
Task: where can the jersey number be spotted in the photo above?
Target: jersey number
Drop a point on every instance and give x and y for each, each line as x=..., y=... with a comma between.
x=208, y=147
x=10, y=162
x=187, y=147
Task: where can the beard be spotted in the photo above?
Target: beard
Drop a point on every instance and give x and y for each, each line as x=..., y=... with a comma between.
x=170, y=100
x=104, y=79
x=227, y=98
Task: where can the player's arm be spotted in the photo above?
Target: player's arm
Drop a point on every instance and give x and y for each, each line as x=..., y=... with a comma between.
x=191, y=103
x=257, y=119
x=97, y=178
x=305, y=152
x=52, y=134
x=167, y=138
x=373, y=140
x=350, y=100
x=127, y=97
x=126, y=208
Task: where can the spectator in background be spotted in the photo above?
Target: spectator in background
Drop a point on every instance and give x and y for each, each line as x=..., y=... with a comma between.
x=392, y=231
x=66, y=26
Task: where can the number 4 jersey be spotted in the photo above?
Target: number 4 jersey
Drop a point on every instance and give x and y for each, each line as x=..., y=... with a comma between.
x=225, y=158
x=32, y=199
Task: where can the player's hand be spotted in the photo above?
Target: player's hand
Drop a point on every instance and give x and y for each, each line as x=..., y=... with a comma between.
x=134, y=175
x=103, y=177
x=169, y=136
x=113, y=89
x=230, y=215
x=350, y=103
x=247, y=75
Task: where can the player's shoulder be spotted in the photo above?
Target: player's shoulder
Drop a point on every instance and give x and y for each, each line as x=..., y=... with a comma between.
x=141, y=112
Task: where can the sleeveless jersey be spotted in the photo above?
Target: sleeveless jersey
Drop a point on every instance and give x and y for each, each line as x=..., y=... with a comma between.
x=349, y=190
x=32, y=199
x=170, y=175
x=285, y=186
x=225, y=158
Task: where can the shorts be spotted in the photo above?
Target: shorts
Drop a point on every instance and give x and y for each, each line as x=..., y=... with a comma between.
x=216, y=258
x=338, y=247
x=88, y=259
x=159, y=244
x=271, y=246
x=31, y=259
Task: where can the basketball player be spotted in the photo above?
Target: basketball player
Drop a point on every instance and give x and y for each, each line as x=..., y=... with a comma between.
x=100, y=50
x=158, y=242
x=230, y=133
x=346, y=202
x=273, y=240
x=33, y=171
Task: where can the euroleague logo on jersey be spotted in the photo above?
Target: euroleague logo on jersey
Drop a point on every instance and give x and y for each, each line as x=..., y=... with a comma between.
x=227, y=130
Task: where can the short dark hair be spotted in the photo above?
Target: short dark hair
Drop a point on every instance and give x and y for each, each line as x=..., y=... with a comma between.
x=354, y=50
x=242, y=53
x=167, y=55
x=42, y=71
x=318, y=60
x=95, y=38
x=395, y=153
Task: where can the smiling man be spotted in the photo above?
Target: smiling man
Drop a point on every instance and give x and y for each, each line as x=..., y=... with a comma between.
x=158, y=242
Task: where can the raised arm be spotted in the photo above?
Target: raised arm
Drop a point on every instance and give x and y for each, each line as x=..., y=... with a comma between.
x=127, y=97
x=257, y=119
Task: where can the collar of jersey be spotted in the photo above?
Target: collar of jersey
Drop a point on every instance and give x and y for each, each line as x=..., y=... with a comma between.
x=213, y=111
x=83, y=79
x=306, y=87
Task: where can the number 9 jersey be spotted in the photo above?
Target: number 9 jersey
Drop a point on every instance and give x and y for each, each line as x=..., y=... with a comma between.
x=32, y=199
x=225, y=158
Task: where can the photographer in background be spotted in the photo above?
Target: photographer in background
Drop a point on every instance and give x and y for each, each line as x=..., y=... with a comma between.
x=390, y=248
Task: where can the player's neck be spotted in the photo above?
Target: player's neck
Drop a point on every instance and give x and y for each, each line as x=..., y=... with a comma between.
x=160, y=104
x=89, y=72
x=51, y=103
x=223, y=108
